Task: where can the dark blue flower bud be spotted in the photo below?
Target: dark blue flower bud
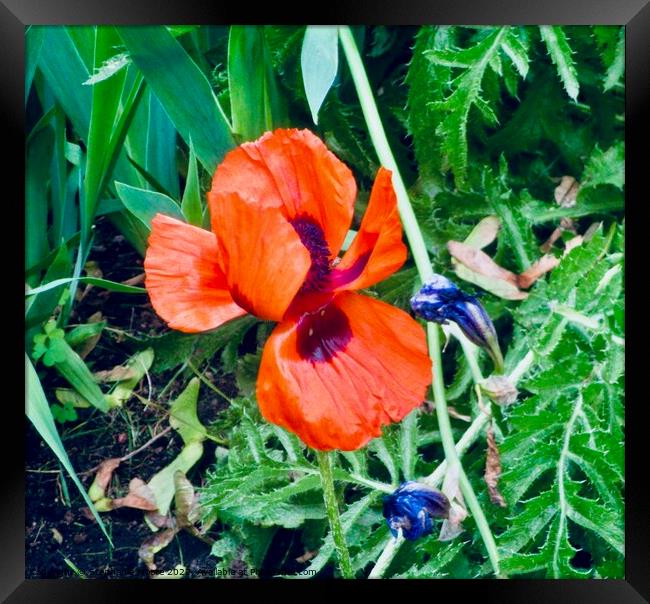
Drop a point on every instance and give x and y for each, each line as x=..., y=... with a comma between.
x=412, y=508
x=440, y=300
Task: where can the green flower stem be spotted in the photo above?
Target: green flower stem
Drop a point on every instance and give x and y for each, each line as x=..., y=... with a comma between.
x=332, y=506
x=386, y=557
x=380, y=142
x=425, y=270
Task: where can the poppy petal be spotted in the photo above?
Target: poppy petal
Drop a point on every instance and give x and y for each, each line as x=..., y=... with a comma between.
x=186, y=286
x=292, y=170
x=334, y=377
x=261, y=254
x=377, y=250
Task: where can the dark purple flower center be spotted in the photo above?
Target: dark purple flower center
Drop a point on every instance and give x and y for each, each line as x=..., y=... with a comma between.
x=312, y=237
x=322, y=334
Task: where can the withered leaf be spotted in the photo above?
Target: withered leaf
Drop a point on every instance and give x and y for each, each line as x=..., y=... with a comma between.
x=152, y=545
x=477, y=267
x=573, y=243
x=161, y=520
x=493, y=469
x=103, y=477
x=500, y=389
x=546, y=263
x=452, y=525
x=57, y=536
x=566, y=192
x=307, y=556
x=187, y=508
x=117, y=374
x=139, y=496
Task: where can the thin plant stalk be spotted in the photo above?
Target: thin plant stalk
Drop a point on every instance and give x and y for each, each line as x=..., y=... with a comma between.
x=332, y=507
x=425, y=271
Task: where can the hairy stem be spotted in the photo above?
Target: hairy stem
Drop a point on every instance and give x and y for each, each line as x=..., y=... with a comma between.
x=332, y=507
x=425, y=271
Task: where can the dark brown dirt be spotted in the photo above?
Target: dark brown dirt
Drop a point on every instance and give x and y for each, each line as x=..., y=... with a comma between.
x=60, y=533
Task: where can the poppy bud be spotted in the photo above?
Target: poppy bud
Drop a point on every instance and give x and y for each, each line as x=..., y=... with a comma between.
x=439, y=300
x=412, y=507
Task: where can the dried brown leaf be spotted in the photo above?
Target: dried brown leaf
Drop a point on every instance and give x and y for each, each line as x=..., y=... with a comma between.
x=573, y=243
x=477, y=267
x=135, y=280
x=117, y=374
x=103, y=477
x=493, y=470
x=140, y=496
x=500, y=389
x=152, y=545
x=57, y=536
x=452, y=525
x=161, y=520
x=479, y=262
x=546, y=263
x=548, y=244
x=566, y=192
x=187, y=502
x=307, y=556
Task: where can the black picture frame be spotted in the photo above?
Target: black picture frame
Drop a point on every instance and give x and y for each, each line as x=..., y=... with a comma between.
x=15, y=15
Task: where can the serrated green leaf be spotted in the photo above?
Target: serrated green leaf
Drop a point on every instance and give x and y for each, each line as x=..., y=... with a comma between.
x=605, y=167
x=561, y=55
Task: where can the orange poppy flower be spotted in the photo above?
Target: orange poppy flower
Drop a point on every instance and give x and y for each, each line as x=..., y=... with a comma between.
x=339, y=365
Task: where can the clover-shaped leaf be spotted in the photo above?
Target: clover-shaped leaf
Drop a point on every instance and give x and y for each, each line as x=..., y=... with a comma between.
x=50, y=345
x=63, y=413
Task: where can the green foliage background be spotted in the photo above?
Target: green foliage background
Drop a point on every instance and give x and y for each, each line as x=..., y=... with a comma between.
x=483, y=121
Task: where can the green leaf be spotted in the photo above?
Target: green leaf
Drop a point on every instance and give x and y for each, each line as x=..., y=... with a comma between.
x=144, y=204
x=182, y=89
x=616, y=61
x=408, y=444
x=152, y=143
x=466, y=93
x=319, y=61
x=191, y=203
x=183, y=417
x=65, y=70
x=255, y=103
x=605, y=167
x=570, y=427
x=38, y=412
x=348, y=519
x=33, y=44
x=72, y=367
x=37, y=166
x=175, y=348
x=103, y=283
x=43, y=306
x=82, y=333
x=427, y=86
x=139, y=364
x=162, y=483
x=561, y=55
x=108, y=68
x=105, y=107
